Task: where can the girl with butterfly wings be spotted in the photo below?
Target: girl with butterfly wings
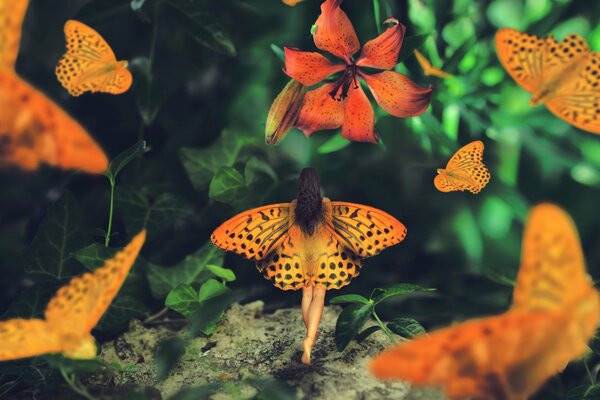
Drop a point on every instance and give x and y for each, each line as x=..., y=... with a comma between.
x=311, y=243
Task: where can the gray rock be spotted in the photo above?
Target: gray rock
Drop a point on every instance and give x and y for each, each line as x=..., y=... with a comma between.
x=249, y=344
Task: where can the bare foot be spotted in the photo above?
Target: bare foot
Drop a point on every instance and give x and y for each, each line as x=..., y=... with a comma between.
x=307, y=345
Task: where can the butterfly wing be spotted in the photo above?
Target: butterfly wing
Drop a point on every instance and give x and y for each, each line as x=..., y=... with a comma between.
x=476, y=359
x=34, y=130
x=90, y=64
x=465, y=170
x=82, y=302
x=255, y=233
x=21, y=338
x=577, y=101
x=364, y=230
x=12, y=13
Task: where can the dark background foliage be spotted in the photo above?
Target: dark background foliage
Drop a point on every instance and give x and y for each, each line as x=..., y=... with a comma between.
x=205, y=76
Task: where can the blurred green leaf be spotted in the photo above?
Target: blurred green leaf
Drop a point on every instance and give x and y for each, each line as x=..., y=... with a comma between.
x=61, y=232
x=278, y=52
x=406, y=327
x=257, y=168
x=202, y=164
x=216, y=299
x=401, y=289
x=98, y=12
x=196, y=392
x=273, y=389
x=349, y=323
x=333, y=144
x=223, y=273
x=367, y=332
x=228, y=186
x=349, y=298
x=203, y=26
x=167, y=356
x=70, y=365
x=124, y=158
x=146, y=89
x=140, y=212
x=584, y=392
x=211, y=289
x=410, y=44
x=164, y=279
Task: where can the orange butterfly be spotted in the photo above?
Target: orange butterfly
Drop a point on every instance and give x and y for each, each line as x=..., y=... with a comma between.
x=312, y=243
x=12, y=13
x=33, y=129
x=564, y=76
x=428, y=69
x=555, y=312
x=89, y=65
x=465, y=170
x=71, y=314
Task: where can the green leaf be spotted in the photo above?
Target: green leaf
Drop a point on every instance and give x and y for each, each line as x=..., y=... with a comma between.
x=367, y=332
x=211, y=289
x=256, y=169
x=410, y=44
x=406, y=327
x=202, y=164
x=62, y=231
x=122, y=310
x=349, y=298
x=100, y=12
x=196, y=392
x=202, y=26
x=584, y=392
x=216, y=298
x=228, y=186
x=140, y=212
x=164, y=279
x=70, y=365
x=349, y=323
x=168, y=355
x=124, y=158
x=273, y=389
x=183, y=299
x=223, y=273
x=146, y=89
x=333, y=144
x=278, y=52
x=401, y=289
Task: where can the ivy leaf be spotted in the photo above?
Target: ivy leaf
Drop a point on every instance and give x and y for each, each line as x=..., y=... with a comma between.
x=140, y=212
x=146, y=89
x=349, y=298
x=256, y=169
x=349, y=323
x=410, y=44
x=367, y=332
x=401, y=289
x=164, y=279
x=406, y=327
x=183, y=299
x=223, y=273
x=202, y=164
x=202, y=26
x=216, y=298
x=228, y=186
x=124, y=158
x=62, y=231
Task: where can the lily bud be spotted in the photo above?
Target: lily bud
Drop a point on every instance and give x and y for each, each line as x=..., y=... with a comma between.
x=284, y=111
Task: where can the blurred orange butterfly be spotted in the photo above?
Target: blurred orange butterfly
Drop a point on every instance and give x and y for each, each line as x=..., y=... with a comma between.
x=465, y=171
x=311, y=241
x=565, y=76
x=555, y=312
x=33, y=129
x=12, y=13
x=89, y=65
x=71, y=314
x=428, y=69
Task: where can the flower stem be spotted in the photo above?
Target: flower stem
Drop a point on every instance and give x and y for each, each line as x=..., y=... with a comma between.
x=110, y=211
x=383, y=327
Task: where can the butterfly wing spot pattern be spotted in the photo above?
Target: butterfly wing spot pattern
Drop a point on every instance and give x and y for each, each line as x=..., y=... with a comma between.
x=565, y=75
x=72, y=313
x=464, y=171
x=555, y=313
x=90, y=64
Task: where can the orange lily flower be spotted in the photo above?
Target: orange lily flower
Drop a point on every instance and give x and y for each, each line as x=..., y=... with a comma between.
x=343, y=102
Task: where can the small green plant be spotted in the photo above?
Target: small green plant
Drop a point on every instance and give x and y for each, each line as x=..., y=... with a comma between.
x=354, y=316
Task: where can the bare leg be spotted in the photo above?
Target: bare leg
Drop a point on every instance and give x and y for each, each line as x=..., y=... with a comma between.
x=314, y=318
x=307, y=294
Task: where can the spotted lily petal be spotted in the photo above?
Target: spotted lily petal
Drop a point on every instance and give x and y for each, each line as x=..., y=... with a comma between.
x=397, y=94
x=359, y=118
x=308, y=68
x=319, y=111
x=382, y=52
x=334, y=32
